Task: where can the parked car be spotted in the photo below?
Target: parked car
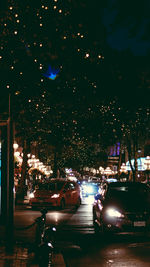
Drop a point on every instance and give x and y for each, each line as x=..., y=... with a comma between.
x=124, y=206
x=56, y=193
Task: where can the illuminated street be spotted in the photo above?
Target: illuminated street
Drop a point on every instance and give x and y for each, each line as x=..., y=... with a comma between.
x=81, y=247
x=74, y=133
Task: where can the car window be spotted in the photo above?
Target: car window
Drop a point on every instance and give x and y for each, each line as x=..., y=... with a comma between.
x=136, y=191
x=51, y=186
x=71, y=186
x=48, y=186
x=59, y=185
x=66, y=187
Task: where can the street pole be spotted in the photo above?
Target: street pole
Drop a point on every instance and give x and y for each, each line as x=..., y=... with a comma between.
x=9, y=224
x=10, y=181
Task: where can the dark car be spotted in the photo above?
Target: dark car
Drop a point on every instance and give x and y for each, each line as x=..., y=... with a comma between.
x=56, y=193
x=124, y=207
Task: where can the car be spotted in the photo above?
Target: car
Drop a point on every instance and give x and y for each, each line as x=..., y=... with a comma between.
x=94, y=179
x=56, y=193
x=89, y=188
x=124, y=207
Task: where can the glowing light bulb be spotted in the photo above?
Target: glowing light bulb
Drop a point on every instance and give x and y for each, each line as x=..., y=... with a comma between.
x=87, y=55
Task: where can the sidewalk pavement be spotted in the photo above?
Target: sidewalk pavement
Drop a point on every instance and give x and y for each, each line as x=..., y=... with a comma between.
x=21, y=255
x=25, y=201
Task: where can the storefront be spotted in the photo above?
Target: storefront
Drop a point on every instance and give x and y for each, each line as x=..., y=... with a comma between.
x=142, y=168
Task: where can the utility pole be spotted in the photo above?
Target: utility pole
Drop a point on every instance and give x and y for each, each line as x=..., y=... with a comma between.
x=7, y=177
x=9, y=168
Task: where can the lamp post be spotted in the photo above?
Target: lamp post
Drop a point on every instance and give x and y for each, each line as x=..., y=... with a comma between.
x=8, y=175
x=10, y=180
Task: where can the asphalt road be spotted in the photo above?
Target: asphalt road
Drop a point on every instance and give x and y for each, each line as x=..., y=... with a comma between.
x=79, y=244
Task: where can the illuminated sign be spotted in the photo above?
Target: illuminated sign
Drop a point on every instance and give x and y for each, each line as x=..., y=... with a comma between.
x=140, y=163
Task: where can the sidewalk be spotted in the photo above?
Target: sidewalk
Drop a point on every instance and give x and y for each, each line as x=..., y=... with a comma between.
x=22, y=258
x=19, y=257
x=22, y=254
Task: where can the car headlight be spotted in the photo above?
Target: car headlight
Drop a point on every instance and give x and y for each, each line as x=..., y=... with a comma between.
x=55, y=196
x=89, y=189
x=114, y=213
x=31, y=195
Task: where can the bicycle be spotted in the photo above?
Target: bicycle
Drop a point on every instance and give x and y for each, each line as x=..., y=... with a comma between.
x=44, y=241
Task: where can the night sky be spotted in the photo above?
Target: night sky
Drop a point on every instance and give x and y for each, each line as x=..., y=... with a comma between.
x=127, y=26
x=78, y=69
x=99, y=50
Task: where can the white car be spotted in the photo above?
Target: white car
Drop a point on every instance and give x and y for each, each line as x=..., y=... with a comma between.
x=94, y=179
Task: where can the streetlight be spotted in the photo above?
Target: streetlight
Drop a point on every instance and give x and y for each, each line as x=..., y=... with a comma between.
x=123, y=168
x=108, y=171
x=101, y=170
x=123, y=171
x=15, y=146
x=94, y=171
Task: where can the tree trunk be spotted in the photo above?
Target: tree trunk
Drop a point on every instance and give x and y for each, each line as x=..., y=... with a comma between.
x=55, y=164
x=135, y=161
x=129, y=149
x=120, y=160
x=24, y=173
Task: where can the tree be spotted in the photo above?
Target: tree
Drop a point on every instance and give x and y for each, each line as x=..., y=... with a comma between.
x=128, y=126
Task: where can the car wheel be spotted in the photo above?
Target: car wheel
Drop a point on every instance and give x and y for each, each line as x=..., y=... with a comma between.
x=62, y=204
x=78, y=202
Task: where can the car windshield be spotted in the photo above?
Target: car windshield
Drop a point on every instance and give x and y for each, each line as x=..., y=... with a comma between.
x=53, y=186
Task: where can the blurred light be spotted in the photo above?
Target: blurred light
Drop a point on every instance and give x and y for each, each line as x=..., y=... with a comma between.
x=55, y=196
x=17, y=154
x=114, y=213
x=31, y=195
x=15, y=146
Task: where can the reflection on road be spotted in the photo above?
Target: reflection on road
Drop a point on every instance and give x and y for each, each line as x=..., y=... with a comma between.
x=88, y=200
x=79, y=244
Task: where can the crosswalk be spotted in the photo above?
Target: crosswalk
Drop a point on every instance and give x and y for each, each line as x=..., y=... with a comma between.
x=80, y=222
